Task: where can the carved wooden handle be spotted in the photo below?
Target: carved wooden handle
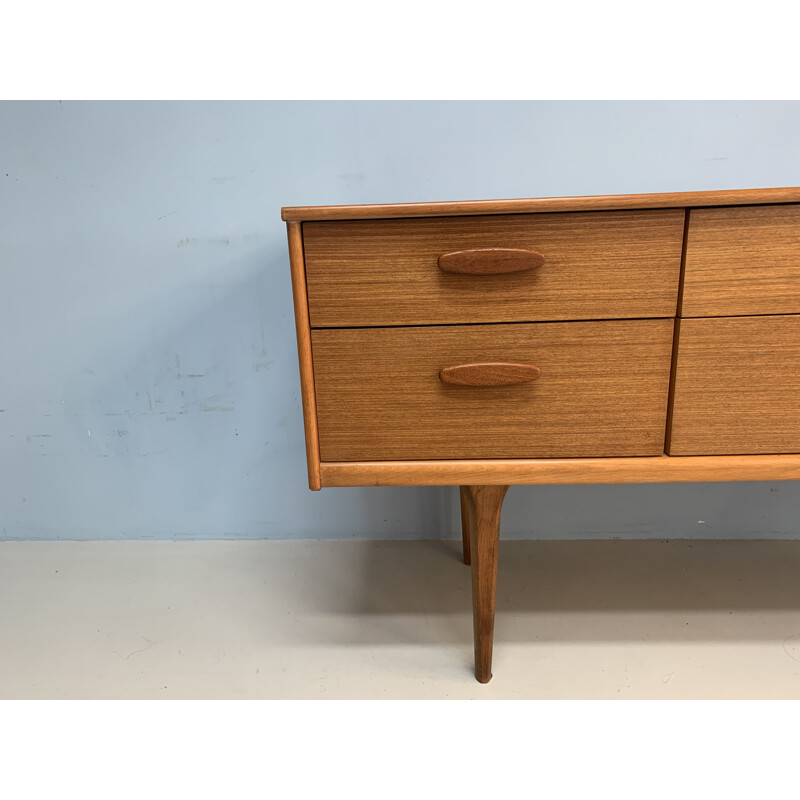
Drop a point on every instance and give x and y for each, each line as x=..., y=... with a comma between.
x=489, y=374
x=490, y=261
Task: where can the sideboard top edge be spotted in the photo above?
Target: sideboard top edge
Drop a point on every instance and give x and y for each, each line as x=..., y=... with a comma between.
x=618, y=202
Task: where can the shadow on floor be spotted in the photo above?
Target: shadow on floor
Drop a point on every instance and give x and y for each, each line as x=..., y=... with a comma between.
x=551, y=591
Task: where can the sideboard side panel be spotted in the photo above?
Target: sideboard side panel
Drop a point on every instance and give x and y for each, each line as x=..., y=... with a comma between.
x=297, y=264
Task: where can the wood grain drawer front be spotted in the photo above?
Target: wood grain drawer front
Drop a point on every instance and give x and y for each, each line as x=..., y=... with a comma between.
x=742, y=261
x=601, y=391
x=596, y=265
x=737, y=387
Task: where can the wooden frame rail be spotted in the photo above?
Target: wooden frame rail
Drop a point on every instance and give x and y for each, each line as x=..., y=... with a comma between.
x=648, y=469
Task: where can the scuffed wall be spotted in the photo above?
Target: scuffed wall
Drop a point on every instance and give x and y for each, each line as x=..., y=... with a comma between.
x=148, y=370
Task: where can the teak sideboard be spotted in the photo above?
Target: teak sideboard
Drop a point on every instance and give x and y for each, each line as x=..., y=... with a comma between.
x=614, y=339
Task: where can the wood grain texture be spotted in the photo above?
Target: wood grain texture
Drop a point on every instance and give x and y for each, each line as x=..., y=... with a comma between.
x=490, y=374
x=485, y=504
x=490, y=261
x=737, y=386
x=304, y=352
x=602, y=391
x=742, y=261
x=726, y=197
x=676, y=338
x=613, y=265
x=655, y=469
x=465, y=534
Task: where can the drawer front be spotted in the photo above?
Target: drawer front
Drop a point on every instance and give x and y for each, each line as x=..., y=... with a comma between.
x=597, y=265
x=737, y=387
x=742, y=261
x=601, y=391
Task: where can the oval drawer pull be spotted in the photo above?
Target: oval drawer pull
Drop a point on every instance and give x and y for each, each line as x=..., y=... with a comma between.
x=489, y=374
x=490, y=261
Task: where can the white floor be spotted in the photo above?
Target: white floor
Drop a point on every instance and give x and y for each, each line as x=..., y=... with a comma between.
x=593, y=619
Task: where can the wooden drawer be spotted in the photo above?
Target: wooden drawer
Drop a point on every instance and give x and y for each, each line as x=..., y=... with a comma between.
x=742, y=261
x=602, y=391
x=597, y=265
x=737, y=387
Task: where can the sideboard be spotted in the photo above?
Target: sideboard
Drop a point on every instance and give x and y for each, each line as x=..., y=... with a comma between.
x=628, y=338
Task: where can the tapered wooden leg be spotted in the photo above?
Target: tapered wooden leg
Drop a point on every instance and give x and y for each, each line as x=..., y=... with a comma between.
x=484, y=505
x=462, y=490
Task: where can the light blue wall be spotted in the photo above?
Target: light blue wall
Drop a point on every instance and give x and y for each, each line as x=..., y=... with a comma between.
x=148, y=371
